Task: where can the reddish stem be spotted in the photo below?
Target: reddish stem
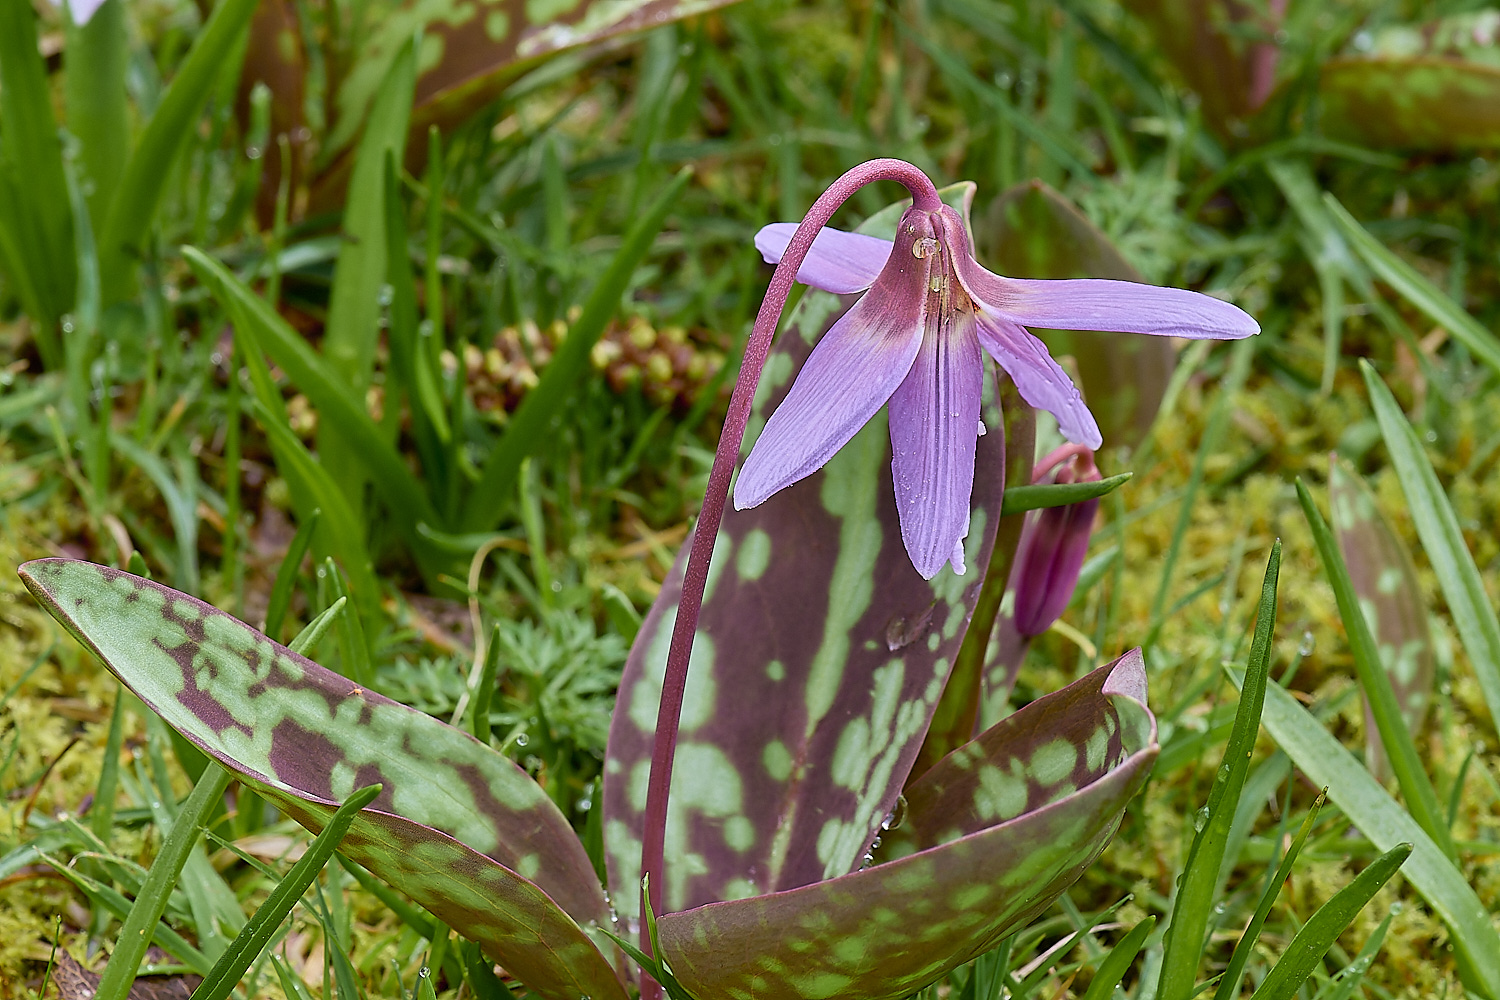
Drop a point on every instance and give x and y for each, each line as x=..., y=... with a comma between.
x=695, y=574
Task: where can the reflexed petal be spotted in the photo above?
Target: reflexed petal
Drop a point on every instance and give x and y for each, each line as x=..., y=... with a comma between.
x=838, y=262
x=933, y=418
x=1096, y=303
x=1041, y=381
x=847, y=378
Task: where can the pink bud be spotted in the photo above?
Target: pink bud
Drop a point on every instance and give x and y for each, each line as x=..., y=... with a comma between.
x=1053, y=544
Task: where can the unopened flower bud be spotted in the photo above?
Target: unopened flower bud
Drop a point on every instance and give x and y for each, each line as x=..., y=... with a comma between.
x=1053, y=544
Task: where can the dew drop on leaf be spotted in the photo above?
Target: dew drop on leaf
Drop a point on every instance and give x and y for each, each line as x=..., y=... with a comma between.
x=1200, y=819
x=896, y=816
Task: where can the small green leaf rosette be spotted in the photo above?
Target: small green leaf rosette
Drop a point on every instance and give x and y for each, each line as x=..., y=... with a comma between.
x=458, y=827
x=990, y=837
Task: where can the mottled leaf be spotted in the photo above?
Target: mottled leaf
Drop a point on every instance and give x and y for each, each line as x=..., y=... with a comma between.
x=992, y=835
x=1434, y=85
x=1212, y=44
x=819, y=659
x=1380, y=567
x=458, y=827
x=471, y=52
x=1427, y=102
x=1031, y=231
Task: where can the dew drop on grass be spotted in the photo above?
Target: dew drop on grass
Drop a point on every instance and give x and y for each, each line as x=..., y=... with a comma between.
x=1306, y=647
x=1200, y=819
x=522, y=739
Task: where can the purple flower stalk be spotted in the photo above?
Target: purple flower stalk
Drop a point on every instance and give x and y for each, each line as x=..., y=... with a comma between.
x=914, y=341
x=1054, y=544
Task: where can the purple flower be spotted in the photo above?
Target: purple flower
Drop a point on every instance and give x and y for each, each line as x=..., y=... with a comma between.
x=1053, y=544
x=914, y=339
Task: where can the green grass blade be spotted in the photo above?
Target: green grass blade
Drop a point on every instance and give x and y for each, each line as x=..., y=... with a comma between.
x=1117, y=962
x=308, y=639
x=527, y=430
x=33, y=158
x=181, y=508
x=286, y=575
x=102, y=814
x=479, y=718
x=1349, y=979
x=354, y=301
x=345, y=534
x=354, y=649
x=1378, y=816
x=528, y=499
x=410, y=372
x=248, y=944
x=1194, y=904
x=151, y=903
x=1318, y=934
x=94, y=91
x=145, y=177
x=115, y=902
x=1229, y=982
x=1416, y=289
x=1416, y=787
x=364, y=442
x=15, y=266
x=1442, y=540
x=291, y=983
x=1019, y=499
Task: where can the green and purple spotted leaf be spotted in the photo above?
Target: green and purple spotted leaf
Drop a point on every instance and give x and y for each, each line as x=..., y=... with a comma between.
x=1433, y=86
x=457, y=826
x=470, y=53
x=1222, y=49
x=990, y=837
x=1384, y=579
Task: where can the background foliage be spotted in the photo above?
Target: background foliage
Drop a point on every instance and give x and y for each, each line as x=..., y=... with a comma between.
x=538, y=262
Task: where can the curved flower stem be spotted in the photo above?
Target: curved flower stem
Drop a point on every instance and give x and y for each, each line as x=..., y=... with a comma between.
x=695, y=574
